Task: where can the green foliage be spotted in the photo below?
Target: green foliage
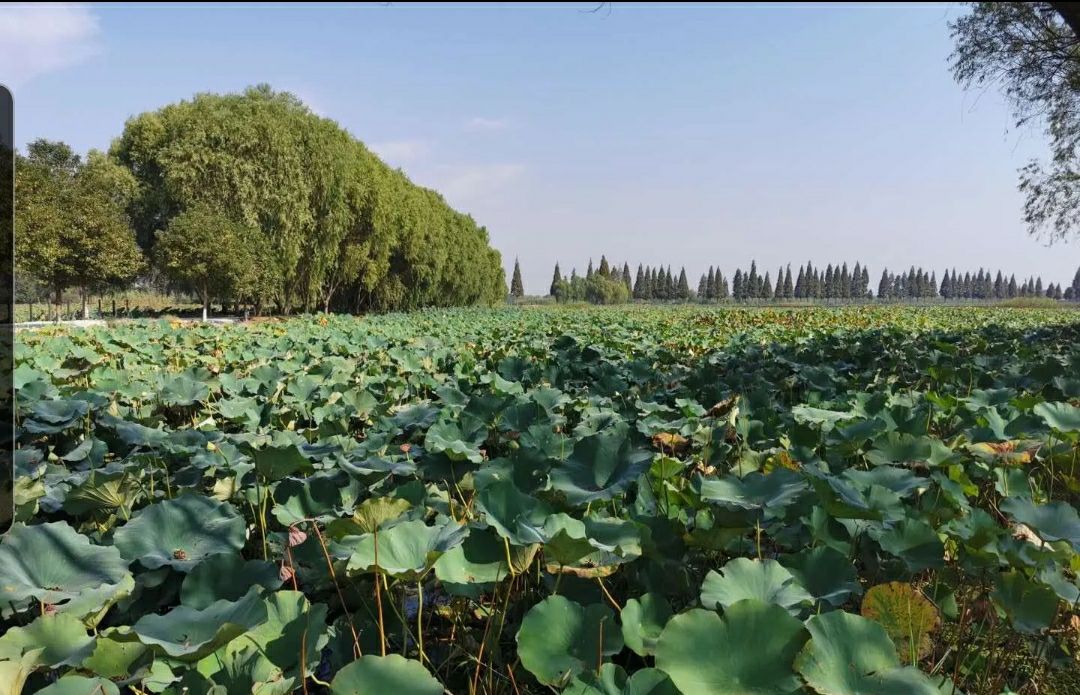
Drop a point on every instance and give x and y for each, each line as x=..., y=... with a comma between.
x=71, y=224
x=599, y=500
x=334, y=226
x=208, y=254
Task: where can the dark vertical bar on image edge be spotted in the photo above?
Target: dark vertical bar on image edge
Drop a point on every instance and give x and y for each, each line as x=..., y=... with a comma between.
x=7, y=308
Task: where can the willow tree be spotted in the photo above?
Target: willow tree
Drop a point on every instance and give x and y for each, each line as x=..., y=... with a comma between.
x=1031, y=51
x=336, y=227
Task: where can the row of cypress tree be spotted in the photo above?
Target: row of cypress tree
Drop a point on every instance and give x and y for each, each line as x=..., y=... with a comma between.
x=834, y=282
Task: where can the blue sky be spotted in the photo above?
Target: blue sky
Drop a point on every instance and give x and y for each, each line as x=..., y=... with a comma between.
x=683, y=135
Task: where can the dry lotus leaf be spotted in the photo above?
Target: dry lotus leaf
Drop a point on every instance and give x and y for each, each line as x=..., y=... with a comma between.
x=670, y=442
x=907, y=616
x=1023, y=532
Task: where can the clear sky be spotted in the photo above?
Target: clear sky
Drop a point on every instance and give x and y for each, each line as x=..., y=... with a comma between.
x=664, y=134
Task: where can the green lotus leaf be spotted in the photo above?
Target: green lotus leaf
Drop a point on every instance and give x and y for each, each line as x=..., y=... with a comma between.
x=559, y=638
x=913, y=541
x=1029, y=605
x=743, y=578
x=826, y=573
x=246, y=411
x=114, y=658
x=380, y=675
x=449, y=438
x=611, y=679
x=851, y=655
x=73, y=684
x=747, y=652
x=181, y=532
x=643, y=619
x=226, y=576
x=1057, y=521
x=53, y=564
x=189, y=634
x=134, y=434
x=1063, y=417
x=405, y=550
x=516, y=516
x=277, y=462
x=566, y=540
x=755, y=491
x=600, y=466
x=50, y=417
x=183, y=390
x=474, y=566
x=317, y=497
x=272, y=650
x=818, y=416
x=61, y=639
x=897, y=447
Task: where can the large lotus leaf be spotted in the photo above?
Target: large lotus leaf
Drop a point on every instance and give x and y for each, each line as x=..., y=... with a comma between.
x=277, y=462
x=559, y=638
x=181, y=532
x=382, y=675
x=55, y=565
x=1057, y=521
x=899, y=480
x=826, y=573
x=1063, y=417
x=455, y=441
x=405, y=550
x=566, y=540
x=516, y=516
x=134, y=434
x=1030, y=605
x=15, y=671
x=770, y=492
x=642, y=622
x=373, y=512
x=112, y=490
x=246, y=411
x=73, y=684
x=611, y=679
x=475, y=565
x=907, y=616
x=743, y=578
x=226, y=576
x=61, y=638
x=189, y=634
x=317, y=497
x=851, y=655
x=747, y=652
x=897, y=447
x=114, y=658
x=601, y=466
x=272, y=650
x=50, y=417
x=914, y=541
x=183, y=390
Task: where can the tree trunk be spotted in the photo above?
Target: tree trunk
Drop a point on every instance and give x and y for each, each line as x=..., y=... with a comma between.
x=85, y=304
x=205, y=309
x=59, y=299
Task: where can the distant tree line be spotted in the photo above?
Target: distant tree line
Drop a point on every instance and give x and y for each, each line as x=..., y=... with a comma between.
x=810, y=283
x=247, y=199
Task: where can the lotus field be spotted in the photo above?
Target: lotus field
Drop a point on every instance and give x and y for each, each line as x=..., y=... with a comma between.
x=636, y=501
